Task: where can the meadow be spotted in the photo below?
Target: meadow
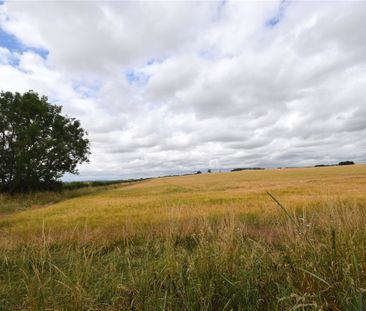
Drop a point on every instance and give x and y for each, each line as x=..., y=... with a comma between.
x=280, y=239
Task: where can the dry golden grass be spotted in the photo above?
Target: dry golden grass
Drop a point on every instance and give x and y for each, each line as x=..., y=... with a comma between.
x=203, y=242
x=161, y=204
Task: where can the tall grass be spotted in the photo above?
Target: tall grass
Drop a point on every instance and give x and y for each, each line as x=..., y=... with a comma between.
x=10, y=203
x=311, y=257
x=219, y=265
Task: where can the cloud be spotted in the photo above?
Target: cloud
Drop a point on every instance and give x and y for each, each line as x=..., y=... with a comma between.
x=173, y=87
x=92, y=36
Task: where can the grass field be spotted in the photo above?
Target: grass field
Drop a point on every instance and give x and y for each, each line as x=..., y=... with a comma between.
x=200, y=242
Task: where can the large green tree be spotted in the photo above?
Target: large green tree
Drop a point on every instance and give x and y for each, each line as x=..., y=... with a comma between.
x=37, y=144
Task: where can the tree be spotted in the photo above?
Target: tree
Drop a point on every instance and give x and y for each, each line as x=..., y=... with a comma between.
x=346, y=163
x=37, y=144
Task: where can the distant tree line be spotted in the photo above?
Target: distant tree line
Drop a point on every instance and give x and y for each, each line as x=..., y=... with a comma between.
x=246, y=169
x=339, y=164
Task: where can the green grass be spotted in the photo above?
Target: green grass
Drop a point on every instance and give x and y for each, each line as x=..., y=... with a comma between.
x=225, y=245
x=224, y=266
x=18, y=202
x=10, y=203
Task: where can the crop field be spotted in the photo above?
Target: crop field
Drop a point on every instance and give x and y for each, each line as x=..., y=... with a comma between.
x=215, y=241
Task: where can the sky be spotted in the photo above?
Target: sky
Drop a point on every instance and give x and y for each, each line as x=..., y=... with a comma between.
x=175, y=87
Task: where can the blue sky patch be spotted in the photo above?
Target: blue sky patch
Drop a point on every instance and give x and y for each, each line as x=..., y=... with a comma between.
x=132, y=76
x=274, y=20
x=87, y=89
x=12, y=43
x=135, y=77
x=9, y=41
x=151, y=61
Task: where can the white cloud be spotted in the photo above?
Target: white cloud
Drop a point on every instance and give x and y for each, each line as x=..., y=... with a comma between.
x=164, y=87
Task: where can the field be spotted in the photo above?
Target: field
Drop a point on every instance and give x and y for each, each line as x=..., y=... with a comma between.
x=203, y=242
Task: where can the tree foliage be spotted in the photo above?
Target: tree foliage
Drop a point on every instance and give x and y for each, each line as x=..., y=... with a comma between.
x=37, y=144
x=346, y=163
